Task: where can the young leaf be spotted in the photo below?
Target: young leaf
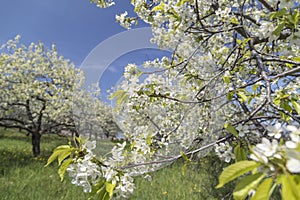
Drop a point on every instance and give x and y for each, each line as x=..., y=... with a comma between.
x=102, y=194
x=278, y=29
x=239, y=153
x=229, y=96
x=263, y=190
x=296, y=106
x=235, y=170
x=159, y=7
x=57, y=152
x=183, y=169
x=297, y=59
x=290, y=190
x=255, y=86
x=97, y=187
x=231, y=129
x=109, y=187
x=184, y=156
x=120, y=95
x=226, y=79
x=149, y=140
x=181, y=2
x=286, y=106
x=62, y=169
x=246, y=184
x=64, y=154
x=280, y=13
x=234, y=20
x=242, y=96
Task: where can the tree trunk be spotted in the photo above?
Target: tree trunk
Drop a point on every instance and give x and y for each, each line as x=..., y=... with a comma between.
x=36, y=137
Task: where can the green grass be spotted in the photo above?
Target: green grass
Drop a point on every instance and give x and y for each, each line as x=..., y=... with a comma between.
x=197, y=182
x=25, y=177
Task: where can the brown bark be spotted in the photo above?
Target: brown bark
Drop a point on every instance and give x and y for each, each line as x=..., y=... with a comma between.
x=36, y=137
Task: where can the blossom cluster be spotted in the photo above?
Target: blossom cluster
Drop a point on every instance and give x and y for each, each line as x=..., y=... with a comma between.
x=103, y=3
x=278, y=147
x=234, y=62
x=126, y=22
x=88, y=170
x=224, y=151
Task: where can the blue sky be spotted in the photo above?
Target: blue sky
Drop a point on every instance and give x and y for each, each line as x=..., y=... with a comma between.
x=75, y=26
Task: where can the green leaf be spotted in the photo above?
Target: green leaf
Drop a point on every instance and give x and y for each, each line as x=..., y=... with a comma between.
x=280, y=13
x=278, y=29
x=63, y=167
x=57, y=152
x=263, y=190
x=64, y=154
x=96, y=188
x=132, y=145
x=229, y=96
x=231, y=129
x=103, y=195
x=235, y=170
x=183, y=168
x=242, y=96
x=296, y=18
x=226, y=79
x=246, y=184
x=63, y=147
x=109, y=187
x=234, y=20
x=290, y=20
x=53, y=157
x=99, y=190
x=297, y=179
x=284, y=116
x=286, y=106
x=296, y=106
x=297, y=59
x=149, y=140
x=120, y=96
x=255, y=86
x=184, y=156
x=159, y=7
x=290, y=190
x=277, y=101
x=78, y=140
x=181, y=2
x=239, y=153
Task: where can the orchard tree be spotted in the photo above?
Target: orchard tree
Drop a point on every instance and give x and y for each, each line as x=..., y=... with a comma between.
x=36, y=90
x=41, y=92
x=93, y=118
x=232, y=83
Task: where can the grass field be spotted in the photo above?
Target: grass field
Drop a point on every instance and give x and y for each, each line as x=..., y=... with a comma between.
x=25, y=177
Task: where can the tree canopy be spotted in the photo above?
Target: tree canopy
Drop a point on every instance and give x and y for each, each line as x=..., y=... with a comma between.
x=37, y=93
x=232, y=82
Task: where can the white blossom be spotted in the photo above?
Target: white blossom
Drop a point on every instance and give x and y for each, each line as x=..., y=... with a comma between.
x=275, y=131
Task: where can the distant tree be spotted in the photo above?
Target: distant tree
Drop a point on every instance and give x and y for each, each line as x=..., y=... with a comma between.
x=93, y=118
x=36, y=90
x=41, y=93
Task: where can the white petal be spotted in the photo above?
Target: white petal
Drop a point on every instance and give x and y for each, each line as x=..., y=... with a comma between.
x=291, y=144
x=277, y=135
x=293, y=165
x=291, y=128
x=253, y=157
